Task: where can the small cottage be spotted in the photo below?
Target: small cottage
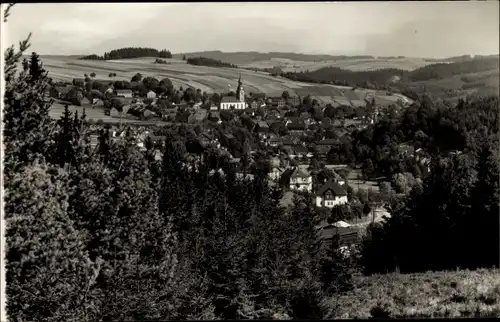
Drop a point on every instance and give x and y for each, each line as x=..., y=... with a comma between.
x=127, y=93
x=301, y=180
x=330, y=195
x=261, y=127
x=151, y=95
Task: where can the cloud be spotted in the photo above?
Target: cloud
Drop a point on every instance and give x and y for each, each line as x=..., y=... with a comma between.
x=378, y=28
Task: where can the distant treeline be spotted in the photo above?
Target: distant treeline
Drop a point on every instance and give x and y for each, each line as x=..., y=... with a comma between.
x=204, y=61
x=130, y=52
x=379, y=79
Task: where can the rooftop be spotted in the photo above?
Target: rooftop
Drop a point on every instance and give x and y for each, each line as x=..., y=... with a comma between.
x=300, y=173
x=332, y=186
x=230, y=99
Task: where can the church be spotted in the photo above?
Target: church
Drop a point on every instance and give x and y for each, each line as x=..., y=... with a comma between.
x=231, y=102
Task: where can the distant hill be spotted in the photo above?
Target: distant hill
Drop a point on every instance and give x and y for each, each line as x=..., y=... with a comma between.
x=477, y=76
x=383, y=76
x=241, y=58
x=463, y=58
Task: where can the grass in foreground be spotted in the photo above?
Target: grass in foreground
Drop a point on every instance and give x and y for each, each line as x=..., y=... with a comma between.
x=427, y=295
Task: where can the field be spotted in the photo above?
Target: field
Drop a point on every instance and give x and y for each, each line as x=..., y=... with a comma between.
x=207, y=79
x=288, y=65
x=428, y=295
x=97, y=113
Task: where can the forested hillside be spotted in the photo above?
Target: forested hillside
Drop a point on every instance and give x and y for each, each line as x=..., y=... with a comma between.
x=381, y=79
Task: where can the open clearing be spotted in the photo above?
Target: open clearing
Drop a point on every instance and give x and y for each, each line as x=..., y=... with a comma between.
x=57, y=111
x=207, y=79
x=451, y=294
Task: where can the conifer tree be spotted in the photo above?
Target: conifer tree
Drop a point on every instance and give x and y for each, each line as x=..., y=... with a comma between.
x=49, y=273
x=36, y=70
x=27, y=125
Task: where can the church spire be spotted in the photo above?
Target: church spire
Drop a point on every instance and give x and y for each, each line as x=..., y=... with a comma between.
x=240, y=93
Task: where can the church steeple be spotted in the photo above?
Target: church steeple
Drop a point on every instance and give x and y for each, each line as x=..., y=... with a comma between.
x=240, y=93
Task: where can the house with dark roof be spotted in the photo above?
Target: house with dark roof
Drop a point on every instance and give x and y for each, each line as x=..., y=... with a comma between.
x=79, y=82
x=261, y=127
x=325, y=145
x=275, y=141
x=300, y=151
x=330, y=195
x=300, y=180
x=296, y=127
x=336, y=177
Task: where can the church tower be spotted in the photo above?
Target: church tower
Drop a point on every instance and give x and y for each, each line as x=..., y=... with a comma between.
x=240, y=93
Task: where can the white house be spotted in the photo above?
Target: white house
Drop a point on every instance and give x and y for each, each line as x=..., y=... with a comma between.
x=230, y=103
x=238, y=102
x=330, y=195
x=275, y=173
x=151, y=95
x=124, y=93
x=301, y=180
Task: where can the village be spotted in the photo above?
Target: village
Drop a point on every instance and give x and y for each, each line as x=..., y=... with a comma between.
x=296, y=135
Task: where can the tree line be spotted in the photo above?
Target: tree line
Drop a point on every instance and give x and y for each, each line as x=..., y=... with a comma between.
x=204, y=61
x=130, y=52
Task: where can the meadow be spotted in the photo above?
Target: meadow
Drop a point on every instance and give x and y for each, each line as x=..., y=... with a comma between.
x=447, y=294
x=57, y=111
x=208, y=79
x=288, y=65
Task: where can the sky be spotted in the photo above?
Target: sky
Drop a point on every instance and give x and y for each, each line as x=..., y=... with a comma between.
x=413, y=29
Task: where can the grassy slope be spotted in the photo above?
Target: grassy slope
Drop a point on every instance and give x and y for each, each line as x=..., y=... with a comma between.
x=301, y=62
x=349, y=64
x=432, y=294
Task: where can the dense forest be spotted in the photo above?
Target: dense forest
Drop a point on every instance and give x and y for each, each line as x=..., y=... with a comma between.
x=130, y=52
x=130, y=237
x=440, y=71
x=203, y=61
x=344, y=77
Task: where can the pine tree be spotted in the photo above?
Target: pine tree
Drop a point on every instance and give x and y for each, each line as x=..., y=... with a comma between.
x=484, y=219
x=36, y=70
x=43, y=243
x=27, y=125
